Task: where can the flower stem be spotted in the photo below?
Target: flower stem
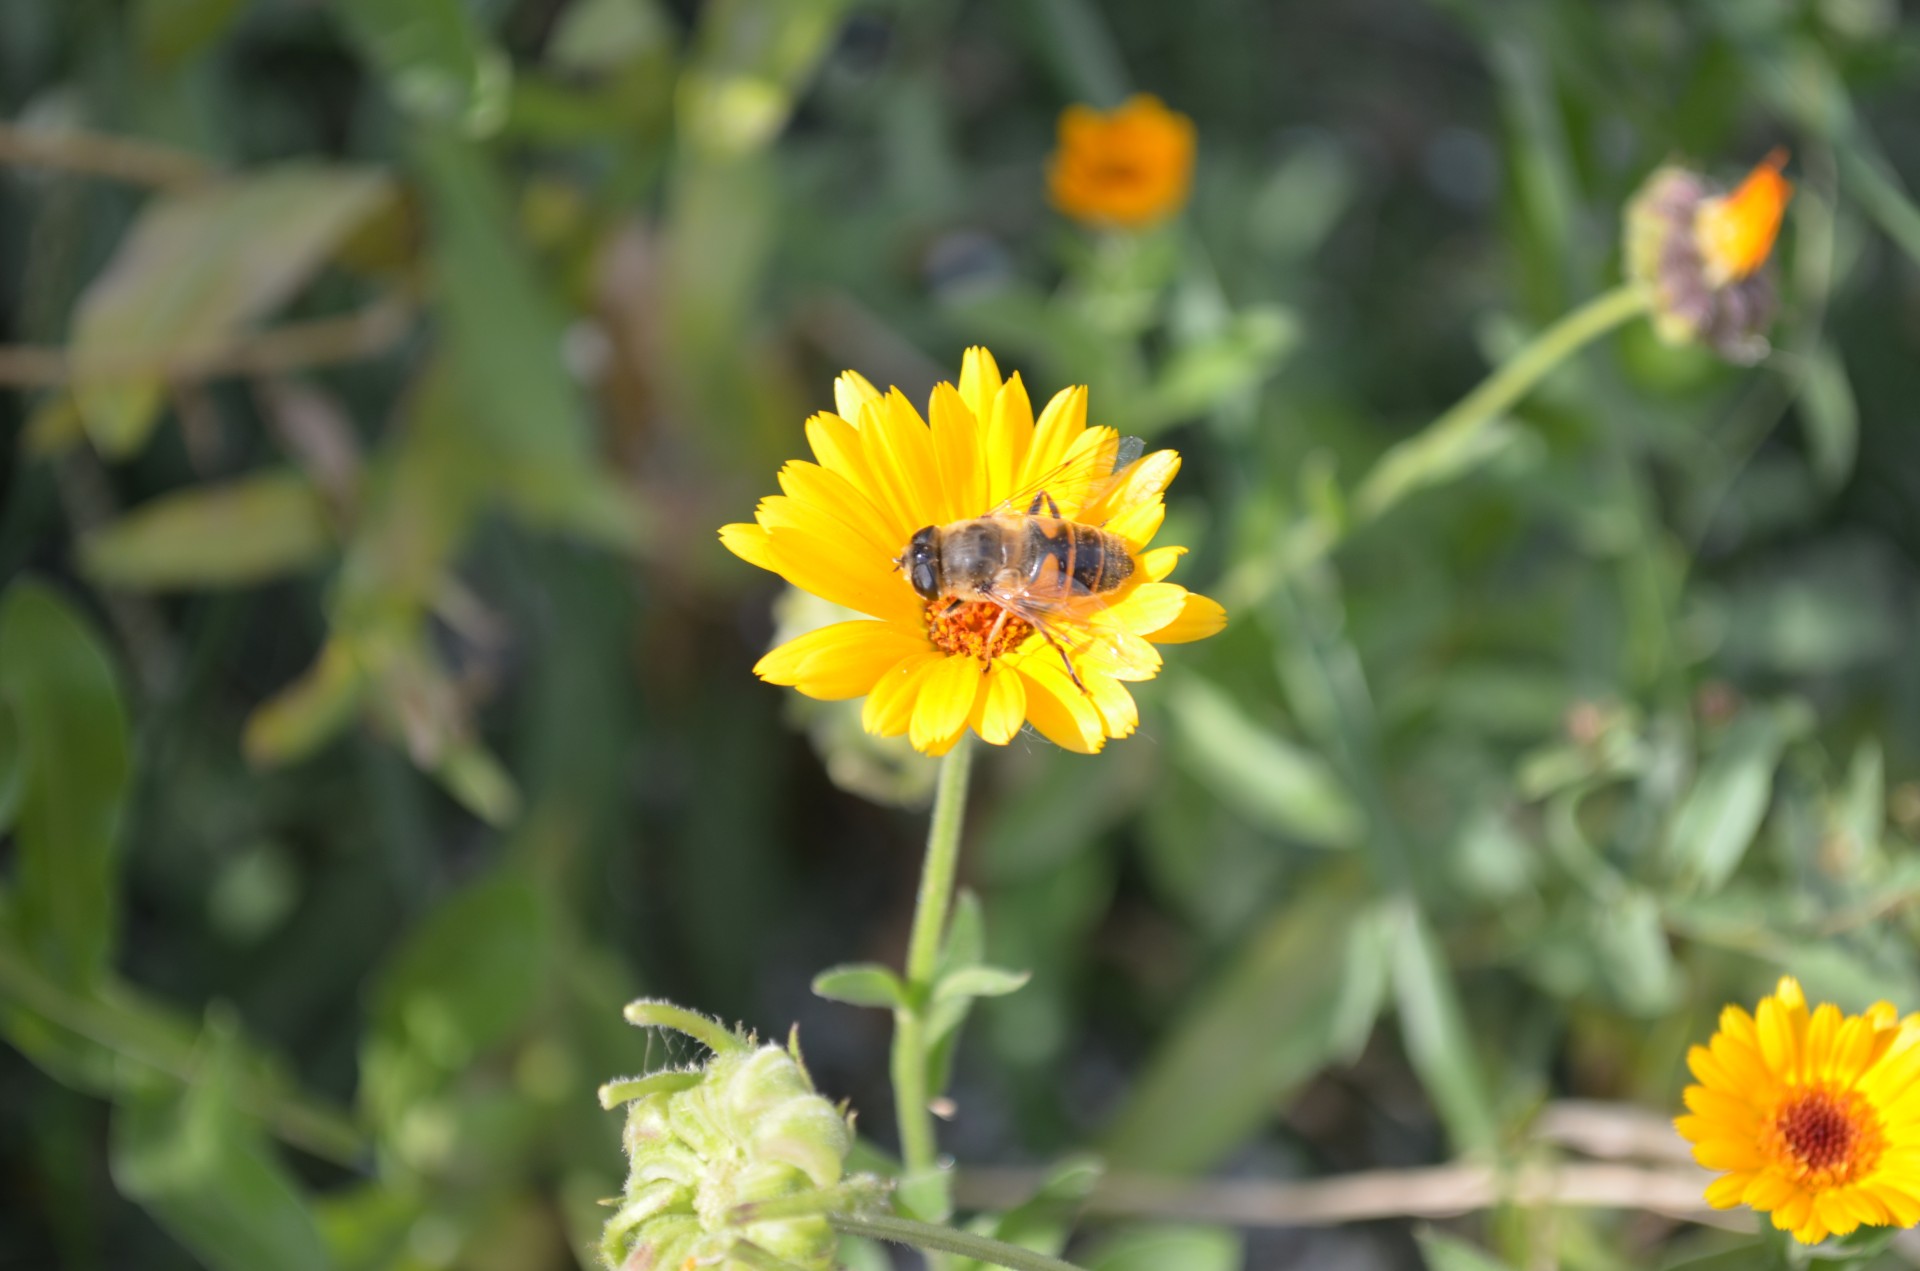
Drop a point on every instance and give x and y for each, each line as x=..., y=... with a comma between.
x=1407, y=465
x=910, y=1092
x=924, y=1235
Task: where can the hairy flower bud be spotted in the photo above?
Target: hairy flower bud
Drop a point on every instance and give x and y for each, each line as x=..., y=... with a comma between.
x=734, y=1164
x=1701, y=254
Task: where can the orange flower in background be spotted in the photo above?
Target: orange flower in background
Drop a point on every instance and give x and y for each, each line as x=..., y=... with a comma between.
x=888, y=519
x=1129, y=167
x=1701, y=255
x=1735, y=232
x=1814, y=1115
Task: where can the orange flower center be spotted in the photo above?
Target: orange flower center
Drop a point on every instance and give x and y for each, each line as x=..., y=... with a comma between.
x=1824, y=1137
x=974, y=628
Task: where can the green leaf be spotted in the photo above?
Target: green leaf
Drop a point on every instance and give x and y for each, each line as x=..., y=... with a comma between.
x=1447, y=1253
x=193, y=1161
x=1167, y=1246
x=194, y=270
x=1438, y=1040
x=1248, y=349
x=70, y=769
x=1279, y=786
x=523, y=423
x=1630, y=944
x=861, y=984
x=1044, y=1220
x=168, y=32
x=979, y=981
x=1758, y=1255
x=309, y=712
x=1276, y=1014
x=1717, y=822
x=233, y=535
x=466, y=979
x=966, y=941
x=436, y=64
x=1830, y=417
x=749, y=64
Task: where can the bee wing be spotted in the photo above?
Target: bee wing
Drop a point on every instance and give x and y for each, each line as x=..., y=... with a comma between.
x=1063, y=618
x=1091, y=472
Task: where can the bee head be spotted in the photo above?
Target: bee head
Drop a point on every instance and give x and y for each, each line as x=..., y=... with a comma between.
x=921, y=562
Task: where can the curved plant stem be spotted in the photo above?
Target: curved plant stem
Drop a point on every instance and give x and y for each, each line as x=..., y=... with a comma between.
x=910, y=1092
x=925, y=1235
x=1406, y=466
x=117, y=1021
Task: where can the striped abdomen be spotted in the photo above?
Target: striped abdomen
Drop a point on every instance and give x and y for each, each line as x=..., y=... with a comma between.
x=1089, y=559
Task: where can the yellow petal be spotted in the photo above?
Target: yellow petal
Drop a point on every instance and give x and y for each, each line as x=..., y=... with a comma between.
x=851, y=392
x=1139, y=523
x=945, y=703
x=1009, y=436
x=979, y=382
x=836, y=444
x=750, y=543
x=1199, y=618
x=899, y=451
x=958, y=454
x=889, y=705
x=839, y=498
x=840, y=661
x=1060, y=711
x=1145, y=481
x=1148, y=607
x=1061, y=424
x=1002, y=708
x=1119, y=713
x=1159, y=562
x=823, y=567
x=1724, y=1192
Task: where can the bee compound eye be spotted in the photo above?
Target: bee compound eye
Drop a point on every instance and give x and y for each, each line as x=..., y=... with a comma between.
x=923, y=580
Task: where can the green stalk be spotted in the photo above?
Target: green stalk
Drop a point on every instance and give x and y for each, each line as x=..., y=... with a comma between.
x=1405, y=467
x=910, y=1092
x=123, y=1025
x=924, y=1235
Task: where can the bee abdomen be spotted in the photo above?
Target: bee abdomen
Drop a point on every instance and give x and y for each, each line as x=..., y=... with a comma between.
x=1090, y=559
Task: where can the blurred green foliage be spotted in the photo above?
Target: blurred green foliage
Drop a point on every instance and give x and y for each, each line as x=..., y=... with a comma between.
x=375, y=712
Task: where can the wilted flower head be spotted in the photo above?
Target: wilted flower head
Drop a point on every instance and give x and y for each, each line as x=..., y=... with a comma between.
x=866, y=528
x=1128, y=167
x=1814, y=1115
x=1702, y=254
x=730, y=1162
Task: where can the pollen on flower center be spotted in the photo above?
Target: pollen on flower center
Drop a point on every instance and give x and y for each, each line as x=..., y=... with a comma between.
x=1827, y=1135
x=974, y=628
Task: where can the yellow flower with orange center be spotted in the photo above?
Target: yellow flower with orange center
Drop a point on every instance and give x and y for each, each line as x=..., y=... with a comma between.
x=892, y=521
x=1129, y=167
x=1814, y=1115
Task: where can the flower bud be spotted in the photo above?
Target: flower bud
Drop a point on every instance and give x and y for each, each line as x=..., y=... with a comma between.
x=1701, y=254
x=736, y=1157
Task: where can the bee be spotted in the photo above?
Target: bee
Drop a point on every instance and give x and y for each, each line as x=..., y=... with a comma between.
x=1026, y=559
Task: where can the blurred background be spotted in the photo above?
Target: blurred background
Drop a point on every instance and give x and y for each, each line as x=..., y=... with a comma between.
x=376, y=714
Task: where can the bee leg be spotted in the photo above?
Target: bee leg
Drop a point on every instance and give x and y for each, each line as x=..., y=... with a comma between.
x=1064, y=660
x=992, y=637
x=952, y=606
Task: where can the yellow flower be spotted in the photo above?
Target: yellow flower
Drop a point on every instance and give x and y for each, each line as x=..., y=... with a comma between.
x=1814, y=1116
x=1700, y=253
x=1130, y=167
x=933, y=668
